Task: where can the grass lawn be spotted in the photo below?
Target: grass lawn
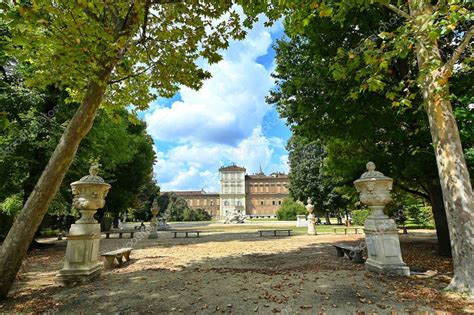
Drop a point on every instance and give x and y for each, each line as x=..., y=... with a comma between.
x=329, y=229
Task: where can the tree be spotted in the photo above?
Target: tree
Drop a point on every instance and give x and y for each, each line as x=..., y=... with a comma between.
x=290, y=209
x=129, y=177
x=176, y=208
x=110, y=53
x=358, y=129
x=423, y=25
x=35, y=122
x=308, y=178
x=148, y=192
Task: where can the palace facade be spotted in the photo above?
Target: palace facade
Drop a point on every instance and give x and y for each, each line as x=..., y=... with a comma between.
x=256, y=195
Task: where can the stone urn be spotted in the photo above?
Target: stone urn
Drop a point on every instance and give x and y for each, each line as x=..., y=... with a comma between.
x=81, y=261
x=311, y=217
x=381, y=233
x=154, y=221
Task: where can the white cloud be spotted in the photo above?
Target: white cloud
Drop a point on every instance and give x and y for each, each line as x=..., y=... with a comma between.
x=221, y=122
x=195, y=166
x=228, y=106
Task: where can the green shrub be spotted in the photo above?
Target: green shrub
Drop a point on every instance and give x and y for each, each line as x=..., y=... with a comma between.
x=421, y=216
x=50, y=232
x=176, y=208
x=198, y=214
x=290, y=209
x=359, y=216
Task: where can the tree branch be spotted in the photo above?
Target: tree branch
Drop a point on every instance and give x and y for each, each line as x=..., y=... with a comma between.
x=145, y=19
x=448, y=67
x=398, y=11
x=412, y=191
x=132, y=75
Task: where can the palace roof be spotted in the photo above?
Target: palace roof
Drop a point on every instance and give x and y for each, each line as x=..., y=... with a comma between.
x=232, y=168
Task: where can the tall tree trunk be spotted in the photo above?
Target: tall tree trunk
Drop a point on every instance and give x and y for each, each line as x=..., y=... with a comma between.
x=441, y=222
x=28, y=220
x=452, y=168
x=22, y=232
x=328, y=219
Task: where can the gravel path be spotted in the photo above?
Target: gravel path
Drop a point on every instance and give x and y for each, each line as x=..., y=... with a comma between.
x=232, y=270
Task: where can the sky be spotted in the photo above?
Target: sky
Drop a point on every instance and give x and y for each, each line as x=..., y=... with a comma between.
x=227, y=121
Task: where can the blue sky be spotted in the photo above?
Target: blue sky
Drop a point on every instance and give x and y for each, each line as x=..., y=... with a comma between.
x=226, y=121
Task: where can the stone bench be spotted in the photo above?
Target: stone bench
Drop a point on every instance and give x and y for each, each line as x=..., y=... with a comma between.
x=118, y=254
x=345, y=229
x=120, y=233
x=186, y=233
x=354, y=253
x=274, y=232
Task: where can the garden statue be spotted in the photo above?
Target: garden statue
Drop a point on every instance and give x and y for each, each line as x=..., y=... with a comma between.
x=162, y=225
x=81, y=262
x=154, y=221
x=124, y=221
x=234, y=217
x=311, y=217
x=381, y=233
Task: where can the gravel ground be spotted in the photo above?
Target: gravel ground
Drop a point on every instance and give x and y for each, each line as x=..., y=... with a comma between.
x=232, y=270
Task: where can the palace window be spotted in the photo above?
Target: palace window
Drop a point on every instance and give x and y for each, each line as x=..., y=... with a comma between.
x=273, y=202
x=261, y=202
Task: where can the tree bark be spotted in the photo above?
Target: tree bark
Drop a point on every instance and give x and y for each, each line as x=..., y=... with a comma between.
x=328, y=219
x=22, y=232
x=28, y=220
x=441, y=221
x=453, y=172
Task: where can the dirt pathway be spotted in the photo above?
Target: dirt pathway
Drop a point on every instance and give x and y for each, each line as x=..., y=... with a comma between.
x=235, y=271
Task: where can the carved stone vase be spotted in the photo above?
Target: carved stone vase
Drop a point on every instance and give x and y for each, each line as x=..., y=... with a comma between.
x=381, y=233
x=311, y=217
x=81, y=261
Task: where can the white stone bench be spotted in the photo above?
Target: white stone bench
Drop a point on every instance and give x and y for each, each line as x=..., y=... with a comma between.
x=354, y=253
x=116, y=254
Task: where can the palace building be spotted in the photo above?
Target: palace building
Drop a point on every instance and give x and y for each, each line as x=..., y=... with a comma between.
x=256, y=195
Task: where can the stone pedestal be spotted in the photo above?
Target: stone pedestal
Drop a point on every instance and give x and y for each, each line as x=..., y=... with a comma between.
x=81, y=262
x=301, y=221
x=381, y=234
x=311, y=224
x=311, y=218
x=383, y=247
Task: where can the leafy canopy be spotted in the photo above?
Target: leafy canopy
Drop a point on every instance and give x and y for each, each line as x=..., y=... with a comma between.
x=371, y=61
x=70, y=43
